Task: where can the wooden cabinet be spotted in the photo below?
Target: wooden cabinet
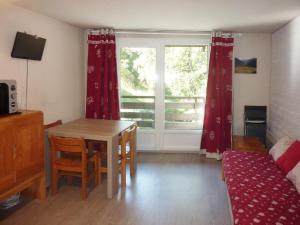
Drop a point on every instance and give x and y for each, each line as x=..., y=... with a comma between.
x=7, y=156
x=22, y=154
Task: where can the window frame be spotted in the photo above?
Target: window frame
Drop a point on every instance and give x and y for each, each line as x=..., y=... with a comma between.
x=159, y=42
x=207, y=55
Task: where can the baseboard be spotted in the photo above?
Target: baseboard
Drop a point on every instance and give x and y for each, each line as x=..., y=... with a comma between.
x=211, y=155
x=169, y=151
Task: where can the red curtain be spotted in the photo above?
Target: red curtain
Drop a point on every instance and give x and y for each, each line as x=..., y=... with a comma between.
x=102, y=100
x=216, y=136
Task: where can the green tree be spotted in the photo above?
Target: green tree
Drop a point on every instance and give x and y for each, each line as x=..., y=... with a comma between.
x=190, y=66
x=132, y=72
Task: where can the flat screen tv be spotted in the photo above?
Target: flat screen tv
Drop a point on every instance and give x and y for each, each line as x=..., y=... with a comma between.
x=28, y=46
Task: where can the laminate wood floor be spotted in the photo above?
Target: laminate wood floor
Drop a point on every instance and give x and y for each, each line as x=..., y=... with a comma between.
x=169, y=189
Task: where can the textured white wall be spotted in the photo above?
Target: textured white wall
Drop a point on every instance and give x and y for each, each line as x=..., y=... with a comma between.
x=251, y=89
x=285, y=82
x=56, y=84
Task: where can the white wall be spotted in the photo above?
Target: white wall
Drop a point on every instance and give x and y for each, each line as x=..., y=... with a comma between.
x=285, y=82
x=56, y=84
x=251, y=89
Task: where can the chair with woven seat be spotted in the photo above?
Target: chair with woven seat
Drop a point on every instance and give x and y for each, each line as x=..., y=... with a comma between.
x=71, y=158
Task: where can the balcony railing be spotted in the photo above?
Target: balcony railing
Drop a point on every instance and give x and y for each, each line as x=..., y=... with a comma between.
x=180, y=112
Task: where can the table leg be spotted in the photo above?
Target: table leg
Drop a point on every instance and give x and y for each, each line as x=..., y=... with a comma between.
x=112, y=166
x=133, y=156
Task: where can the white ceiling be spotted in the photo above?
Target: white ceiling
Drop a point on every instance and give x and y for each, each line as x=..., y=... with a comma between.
x=197, y=15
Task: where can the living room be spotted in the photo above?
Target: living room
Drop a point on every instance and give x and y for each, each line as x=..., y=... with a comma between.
x=176, y=180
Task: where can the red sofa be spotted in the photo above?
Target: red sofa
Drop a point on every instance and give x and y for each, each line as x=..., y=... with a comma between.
x=259, y=192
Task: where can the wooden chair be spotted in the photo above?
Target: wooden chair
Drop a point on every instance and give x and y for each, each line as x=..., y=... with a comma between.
x=54, y=124
x=48, y=150
x=101, y=147
x=127, y=143
x=127, y=151
x=74, y=163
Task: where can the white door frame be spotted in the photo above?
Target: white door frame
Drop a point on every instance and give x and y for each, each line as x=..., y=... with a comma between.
x=160, y=139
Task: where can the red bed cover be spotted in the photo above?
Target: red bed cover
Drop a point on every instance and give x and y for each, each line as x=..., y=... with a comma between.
x=258, y=190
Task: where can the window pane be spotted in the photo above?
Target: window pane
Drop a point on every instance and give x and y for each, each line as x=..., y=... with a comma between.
x=137, y=67
x=185, y=86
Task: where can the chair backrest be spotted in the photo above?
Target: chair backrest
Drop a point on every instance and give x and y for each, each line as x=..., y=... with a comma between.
x=69, y=147
x=127, y=136
x=53, y=124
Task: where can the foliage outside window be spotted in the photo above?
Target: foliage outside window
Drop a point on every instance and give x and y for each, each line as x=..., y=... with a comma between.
x=137, y=67
x=185, y=86
x=185, y=73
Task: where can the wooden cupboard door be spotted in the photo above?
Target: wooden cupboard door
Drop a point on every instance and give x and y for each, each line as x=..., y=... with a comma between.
x=29, y=145
x=7, y=156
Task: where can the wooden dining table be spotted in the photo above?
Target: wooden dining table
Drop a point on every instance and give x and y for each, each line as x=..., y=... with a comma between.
x=99, y=130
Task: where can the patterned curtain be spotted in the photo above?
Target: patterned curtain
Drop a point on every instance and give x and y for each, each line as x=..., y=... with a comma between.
x=217, y=126
x=102, y=100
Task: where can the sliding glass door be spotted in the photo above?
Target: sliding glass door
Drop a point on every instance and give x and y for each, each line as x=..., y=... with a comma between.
x=185, y=84
x=162, y=87
x=137, y=70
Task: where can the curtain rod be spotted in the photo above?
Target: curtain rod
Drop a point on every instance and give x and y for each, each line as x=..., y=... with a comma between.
x=159, y=32
x=156, y=32
x=163, y=32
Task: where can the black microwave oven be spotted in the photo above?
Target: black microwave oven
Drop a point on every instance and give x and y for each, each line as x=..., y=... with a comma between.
x=8, y=97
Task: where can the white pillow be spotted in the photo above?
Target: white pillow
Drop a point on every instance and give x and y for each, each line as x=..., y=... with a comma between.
x=280, y=147
x=294, y=176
